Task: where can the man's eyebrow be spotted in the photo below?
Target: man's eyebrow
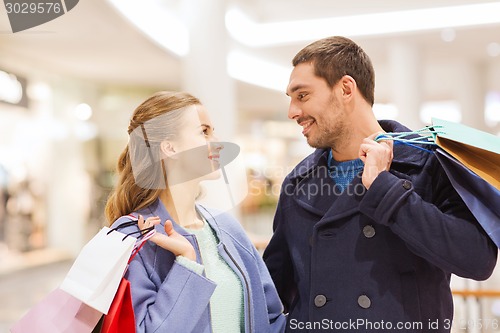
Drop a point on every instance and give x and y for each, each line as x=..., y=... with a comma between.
x=295, y=88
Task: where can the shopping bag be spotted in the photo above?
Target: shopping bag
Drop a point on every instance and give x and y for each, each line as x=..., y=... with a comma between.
x=477, y=150
x=120, y=317
x=471, y=160
x=58, y=312
x=98, y=269
x=482, y=199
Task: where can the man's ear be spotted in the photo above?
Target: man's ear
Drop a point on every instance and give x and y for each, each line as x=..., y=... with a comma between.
x=167, y=149
x=348, y=85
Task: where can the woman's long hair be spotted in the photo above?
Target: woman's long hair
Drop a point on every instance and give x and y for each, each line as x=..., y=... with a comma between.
x=141, y=174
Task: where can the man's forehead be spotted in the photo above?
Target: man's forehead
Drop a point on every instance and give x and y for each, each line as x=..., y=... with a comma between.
x=300, y=77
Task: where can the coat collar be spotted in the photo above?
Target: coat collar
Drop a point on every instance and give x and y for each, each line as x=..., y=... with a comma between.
x=403, y=154
x=311, y=182
x=158, y=209
x=315, y=191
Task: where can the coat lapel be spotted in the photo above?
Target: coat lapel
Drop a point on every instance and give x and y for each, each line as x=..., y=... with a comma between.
x=311, y=186
x=347, y=203
x=316, y=192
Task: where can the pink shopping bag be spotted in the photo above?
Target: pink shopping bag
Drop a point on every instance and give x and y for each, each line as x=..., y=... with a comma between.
x=58, y=312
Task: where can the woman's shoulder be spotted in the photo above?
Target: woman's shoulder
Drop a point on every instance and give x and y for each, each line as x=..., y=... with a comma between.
x=226, y=223
x=222, y=218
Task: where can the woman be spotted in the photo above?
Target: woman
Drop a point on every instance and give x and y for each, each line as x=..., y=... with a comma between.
x=200, y=272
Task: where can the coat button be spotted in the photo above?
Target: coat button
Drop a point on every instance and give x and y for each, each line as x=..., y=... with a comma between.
x=319, y=300
x=369, y=231
x=364, y=301
x=407, y=185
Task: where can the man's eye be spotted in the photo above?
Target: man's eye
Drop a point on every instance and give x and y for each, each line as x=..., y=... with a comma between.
x=301, y=96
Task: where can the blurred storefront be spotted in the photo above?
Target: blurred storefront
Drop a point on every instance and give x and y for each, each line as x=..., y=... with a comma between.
x=57, y=156
x=21, y=194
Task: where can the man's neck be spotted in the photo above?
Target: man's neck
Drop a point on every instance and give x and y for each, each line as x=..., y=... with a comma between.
x=364, y=124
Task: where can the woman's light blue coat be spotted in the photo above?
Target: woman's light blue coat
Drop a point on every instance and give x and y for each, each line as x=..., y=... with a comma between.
x=168, y=297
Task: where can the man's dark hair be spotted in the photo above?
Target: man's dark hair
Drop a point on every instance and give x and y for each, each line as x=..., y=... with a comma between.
x=336, y=56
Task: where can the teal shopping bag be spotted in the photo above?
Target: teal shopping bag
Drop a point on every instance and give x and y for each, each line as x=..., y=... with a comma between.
x=476, y=150
x=471, y=160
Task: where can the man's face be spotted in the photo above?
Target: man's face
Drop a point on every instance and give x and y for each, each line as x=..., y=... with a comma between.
x=317, y=108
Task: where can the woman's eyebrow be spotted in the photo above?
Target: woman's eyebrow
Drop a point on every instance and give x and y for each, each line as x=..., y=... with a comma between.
x=207, y=126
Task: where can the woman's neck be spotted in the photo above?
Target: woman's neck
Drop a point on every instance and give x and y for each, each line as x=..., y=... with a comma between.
x=179, y=200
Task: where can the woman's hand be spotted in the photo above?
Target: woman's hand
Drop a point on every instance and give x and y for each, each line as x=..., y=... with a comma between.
x=173, y=242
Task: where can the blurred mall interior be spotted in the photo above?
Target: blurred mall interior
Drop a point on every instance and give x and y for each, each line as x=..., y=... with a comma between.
x=69, y=86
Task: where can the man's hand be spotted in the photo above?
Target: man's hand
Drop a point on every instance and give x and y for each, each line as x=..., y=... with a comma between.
x=377, y=157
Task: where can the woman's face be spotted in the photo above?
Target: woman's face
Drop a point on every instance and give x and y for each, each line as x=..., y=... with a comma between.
x=195, y=152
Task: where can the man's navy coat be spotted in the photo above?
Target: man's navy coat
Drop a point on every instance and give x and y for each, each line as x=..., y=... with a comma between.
x=378, y=259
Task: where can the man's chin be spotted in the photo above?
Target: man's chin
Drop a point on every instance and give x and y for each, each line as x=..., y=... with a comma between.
x=317, y=145
x=313, y=143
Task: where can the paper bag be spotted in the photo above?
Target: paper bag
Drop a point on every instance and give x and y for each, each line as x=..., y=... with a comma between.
x=482, y=199
x=58, y=312
x=477, y=150
x=99, y=268
x=120, y=318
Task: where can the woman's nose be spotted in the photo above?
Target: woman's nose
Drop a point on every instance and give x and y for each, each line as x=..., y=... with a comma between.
x=216, y=146
x=219, y=146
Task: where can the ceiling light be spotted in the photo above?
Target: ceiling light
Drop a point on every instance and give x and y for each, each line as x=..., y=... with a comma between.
x=256, y=71
x=40, y=91
x=156, y=22
x=251, y=33
x=11, y=90
x=83, y=111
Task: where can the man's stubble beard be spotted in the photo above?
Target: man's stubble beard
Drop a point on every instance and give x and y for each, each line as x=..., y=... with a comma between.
x=334, y=133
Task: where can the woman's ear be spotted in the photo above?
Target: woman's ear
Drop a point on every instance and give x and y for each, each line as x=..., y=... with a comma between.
x=167, y=149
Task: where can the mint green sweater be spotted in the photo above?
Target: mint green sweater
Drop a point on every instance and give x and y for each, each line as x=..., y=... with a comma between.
x=226, y=303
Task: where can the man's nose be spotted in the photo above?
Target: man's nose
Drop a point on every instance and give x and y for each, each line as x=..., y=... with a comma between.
x=294, y=111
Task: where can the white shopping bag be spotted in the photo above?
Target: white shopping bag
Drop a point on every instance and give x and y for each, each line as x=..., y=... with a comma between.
x=97, y=271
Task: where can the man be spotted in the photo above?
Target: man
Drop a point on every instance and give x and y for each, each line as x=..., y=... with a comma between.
x=366, y=234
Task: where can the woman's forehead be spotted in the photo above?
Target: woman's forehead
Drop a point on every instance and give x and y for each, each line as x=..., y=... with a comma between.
x=197, y=115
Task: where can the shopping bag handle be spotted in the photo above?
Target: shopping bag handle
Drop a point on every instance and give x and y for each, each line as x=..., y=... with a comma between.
x=141, y=241
x=145, y=234
x=130, y=223
x=423, y=136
